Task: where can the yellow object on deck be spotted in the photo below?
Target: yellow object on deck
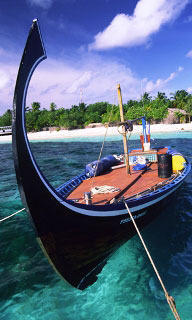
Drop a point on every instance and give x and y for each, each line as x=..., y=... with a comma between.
x=178, y=162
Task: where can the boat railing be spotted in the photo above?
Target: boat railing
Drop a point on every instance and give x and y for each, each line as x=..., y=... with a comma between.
x=5, y=130
x=71, y=184
x=166, y=185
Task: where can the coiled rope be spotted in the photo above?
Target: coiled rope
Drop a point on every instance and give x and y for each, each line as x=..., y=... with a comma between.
x=11, y=215
x=107, y=127
x=169, y=298
x=104, y=189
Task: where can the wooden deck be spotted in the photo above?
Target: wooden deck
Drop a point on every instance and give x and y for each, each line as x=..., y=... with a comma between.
x=128, y=184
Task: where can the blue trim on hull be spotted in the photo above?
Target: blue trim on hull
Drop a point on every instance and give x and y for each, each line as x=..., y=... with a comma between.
x=135, y=204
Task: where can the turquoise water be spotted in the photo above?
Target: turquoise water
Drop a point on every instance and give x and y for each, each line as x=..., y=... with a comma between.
x=127, y=287
x=118, y=137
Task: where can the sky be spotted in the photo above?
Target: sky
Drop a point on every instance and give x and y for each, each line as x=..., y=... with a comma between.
x=91, y=46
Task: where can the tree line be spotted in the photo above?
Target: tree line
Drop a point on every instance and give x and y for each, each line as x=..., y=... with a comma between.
x=79, y=116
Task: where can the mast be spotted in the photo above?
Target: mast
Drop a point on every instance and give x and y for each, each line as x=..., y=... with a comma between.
x=123, y=128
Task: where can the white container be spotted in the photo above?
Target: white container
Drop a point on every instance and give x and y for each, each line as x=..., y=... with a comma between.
x=146, y=146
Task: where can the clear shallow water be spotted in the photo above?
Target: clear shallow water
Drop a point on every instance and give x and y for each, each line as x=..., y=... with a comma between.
x=127, y=287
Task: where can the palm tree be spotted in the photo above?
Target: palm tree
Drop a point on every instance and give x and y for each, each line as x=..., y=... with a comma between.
x=161, y=96
x=146, y=98
x=53, y=106
x=36, y=106
x=179, y=99
x=188, y=106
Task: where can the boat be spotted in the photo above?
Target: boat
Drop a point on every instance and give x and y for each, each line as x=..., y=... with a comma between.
x=80, y=224
x=7, y=130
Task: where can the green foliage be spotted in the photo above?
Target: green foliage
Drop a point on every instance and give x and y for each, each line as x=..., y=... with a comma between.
x=188, y=106
x=179, y=99
x=33, y=117
x=112, y=114
x=53, y=106
x=94, y=112
x=36, y=106
x=6, y=119
x=78, y=116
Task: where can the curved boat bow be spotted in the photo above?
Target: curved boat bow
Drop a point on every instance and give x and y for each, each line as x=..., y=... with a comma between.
x=42, y=202
x=56, y=220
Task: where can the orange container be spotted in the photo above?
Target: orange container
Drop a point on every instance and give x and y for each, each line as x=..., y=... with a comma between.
x=142, y=140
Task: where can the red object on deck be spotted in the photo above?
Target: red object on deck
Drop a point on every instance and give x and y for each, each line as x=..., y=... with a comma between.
x=142, y=139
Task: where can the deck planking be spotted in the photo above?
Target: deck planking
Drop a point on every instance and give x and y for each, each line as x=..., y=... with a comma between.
x=118, y=178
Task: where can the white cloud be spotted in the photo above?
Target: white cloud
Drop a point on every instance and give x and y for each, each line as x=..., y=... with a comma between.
x=63, y=84
x=45, y=4
x=147, y=18
x=151, y=86
x=4, y=79
x=7, y=82
x=180, y=69
x=81, y=81
x=189, y=54
x=55, y=81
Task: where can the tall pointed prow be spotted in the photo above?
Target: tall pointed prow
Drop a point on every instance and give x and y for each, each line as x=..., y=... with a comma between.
x=33, y=54
x=123, y=129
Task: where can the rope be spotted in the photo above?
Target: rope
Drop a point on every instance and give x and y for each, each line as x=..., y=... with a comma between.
x=169, y=298
x=102, y=147
x=11, y=215
x=104, y=189
x=104, y=143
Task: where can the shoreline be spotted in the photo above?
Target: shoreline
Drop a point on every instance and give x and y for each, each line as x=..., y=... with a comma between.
x=100, y=131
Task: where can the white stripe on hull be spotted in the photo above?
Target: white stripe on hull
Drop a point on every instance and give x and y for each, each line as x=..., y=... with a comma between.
x=119, y=212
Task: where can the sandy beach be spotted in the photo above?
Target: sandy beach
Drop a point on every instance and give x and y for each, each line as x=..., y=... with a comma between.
x=88, y=132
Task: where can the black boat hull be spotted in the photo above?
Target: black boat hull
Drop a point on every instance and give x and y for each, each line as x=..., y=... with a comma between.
x=80, y=248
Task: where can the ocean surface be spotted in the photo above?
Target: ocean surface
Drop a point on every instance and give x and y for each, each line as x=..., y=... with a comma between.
x=127, y=288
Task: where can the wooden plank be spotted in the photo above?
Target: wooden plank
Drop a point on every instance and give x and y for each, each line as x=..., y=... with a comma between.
x=118, y=179
x=130, y=184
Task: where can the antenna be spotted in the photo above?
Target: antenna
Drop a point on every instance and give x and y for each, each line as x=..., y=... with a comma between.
x=81, y=95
